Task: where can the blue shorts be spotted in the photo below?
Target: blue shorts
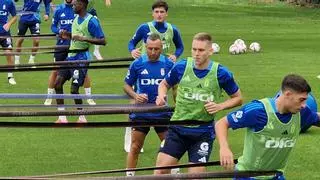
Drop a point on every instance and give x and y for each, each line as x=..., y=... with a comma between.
x=61, y=54
x=24, y=26
x=145, y=130
x=199, y=145
x=77, y=74
x=6, y=42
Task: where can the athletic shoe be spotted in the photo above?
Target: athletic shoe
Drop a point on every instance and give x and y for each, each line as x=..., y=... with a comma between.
x=48, y=102
x=97, y=54
x=31, y=61
x=82, y=119
x=91, y=102
x=11, y=81
x=16, y=62
x=61, y=121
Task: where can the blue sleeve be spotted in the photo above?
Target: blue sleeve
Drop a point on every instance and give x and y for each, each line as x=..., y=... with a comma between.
x=132, y=76
x=177, y=40
x=137, y=37
x=95, y=29
x=47, y=6
x=308, y=118
x=226, y=80
x=12, y=9
x=251, y=115
x=176, y=73
x=55, y=22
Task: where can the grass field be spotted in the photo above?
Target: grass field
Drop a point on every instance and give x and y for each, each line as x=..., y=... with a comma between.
x=290, y=41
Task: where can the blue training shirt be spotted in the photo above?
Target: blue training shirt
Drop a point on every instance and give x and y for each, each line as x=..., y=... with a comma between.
x=143, y=31
x=254, y=116
x=146, y=76
x=34, y=6
x=62, y=20
x=225, y=79
x=7, y=8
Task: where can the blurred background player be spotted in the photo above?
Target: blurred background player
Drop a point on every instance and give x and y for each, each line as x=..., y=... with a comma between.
x=62, y=21
x=92, y=10
x=31, y=20
x=86, y=30
x=8, y=8
x=146, y=73
x=172, y=45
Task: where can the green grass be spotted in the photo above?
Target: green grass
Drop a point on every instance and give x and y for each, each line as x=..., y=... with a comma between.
x=289, y=37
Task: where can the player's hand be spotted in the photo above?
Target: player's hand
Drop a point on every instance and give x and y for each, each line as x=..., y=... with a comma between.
x=63, y=34
x=141, y=98
x=213, y=107
x=161, y=101
x=45, y=17
x=78, y=38
x=226, y=158
x=136, y=53
x=172, y=57
x=6, y=27
x=108, y=2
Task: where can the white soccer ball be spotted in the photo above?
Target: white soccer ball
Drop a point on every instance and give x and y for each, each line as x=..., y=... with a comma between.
x=234, y=49
x=216, y=48
x=241, y=45
x=239, y=41
x=242, y=48
x=255, y=47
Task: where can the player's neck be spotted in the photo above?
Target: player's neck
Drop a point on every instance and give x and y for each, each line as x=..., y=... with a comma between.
x=202, y=66
x=82, y=13
x=280, y=105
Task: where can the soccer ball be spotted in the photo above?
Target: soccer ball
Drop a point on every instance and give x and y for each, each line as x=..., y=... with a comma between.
x=216, y=48
x=234, y=49
x=239, y=41
x=255, y=47
x=241, y=45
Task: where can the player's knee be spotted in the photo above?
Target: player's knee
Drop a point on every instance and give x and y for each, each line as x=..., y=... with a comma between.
x=74, y=89
x=135, y=147
x=161, y=171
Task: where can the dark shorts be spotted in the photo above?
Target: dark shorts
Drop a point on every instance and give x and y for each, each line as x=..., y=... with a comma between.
x=93, y=12
x=77, y=75
x=199, y=145
x=6, y=42
x=145, y=130
x=61, y=54
x=24, y=26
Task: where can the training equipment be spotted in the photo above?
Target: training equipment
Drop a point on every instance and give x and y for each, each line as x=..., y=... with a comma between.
x=241, y=45
x=239, y=41
x=255, y=47
x=234, y=49
x=216, y=48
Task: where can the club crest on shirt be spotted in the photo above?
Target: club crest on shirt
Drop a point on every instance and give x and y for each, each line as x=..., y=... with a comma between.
x=162, y=72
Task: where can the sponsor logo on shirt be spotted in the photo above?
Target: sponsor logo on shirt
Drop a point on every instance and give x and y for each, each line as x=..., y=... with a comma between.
x=200, y=97
x=280, y=143
x=66, y=21
x=146, y=82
